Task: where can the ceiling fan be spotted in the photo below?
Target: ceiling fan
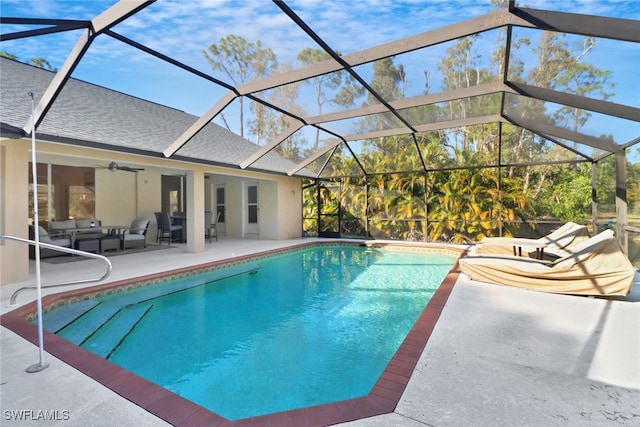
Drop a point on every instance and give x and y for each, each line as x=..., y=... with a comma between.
x=113, y=166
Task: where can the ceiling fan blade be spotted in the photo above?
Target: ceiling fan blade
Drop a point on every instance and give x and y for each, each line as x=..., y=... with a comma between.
x=113, y=166
x=129, y=169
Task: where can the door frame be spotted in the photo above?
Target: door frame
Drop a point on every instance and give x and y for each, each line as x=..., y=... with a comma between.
x=221, y=226
x=250, y=229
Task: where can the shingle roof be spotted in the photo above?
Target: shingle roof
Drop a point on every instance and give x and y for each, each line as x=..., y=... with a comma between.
x=90, y=115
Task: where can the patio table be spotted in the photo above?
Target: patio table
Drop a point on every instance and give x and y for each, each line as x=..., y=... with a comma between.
x=115, y=230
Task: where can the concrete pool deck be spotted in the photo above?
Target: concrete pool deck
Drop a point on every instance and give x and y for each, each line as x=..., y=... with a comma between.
x=497, y=356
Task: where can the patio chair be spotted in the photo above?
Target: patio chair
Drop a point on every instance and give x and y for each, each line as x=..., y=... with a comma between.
x=596, y=266
x=209, y=226
x=135, y=236
x=553, y=245
x=165, y=228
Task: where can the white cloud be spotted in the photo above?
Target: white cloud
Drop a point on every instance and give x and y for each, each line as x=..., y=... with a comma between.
x=182, y=29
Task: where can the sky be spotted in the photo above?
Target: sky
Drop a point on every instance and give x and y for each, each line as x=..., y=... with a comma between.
x=183, y=29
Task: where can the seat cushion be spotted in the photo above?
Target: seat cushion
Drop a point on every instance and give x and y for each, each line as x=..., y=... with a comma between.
x=129, y=237
x=65, y=242
x=62, y=225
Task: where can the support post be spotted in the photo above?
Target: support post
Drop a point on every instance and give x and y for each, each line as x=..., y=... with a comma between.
x=621, y=200
x=594, y=197
x=41, y=365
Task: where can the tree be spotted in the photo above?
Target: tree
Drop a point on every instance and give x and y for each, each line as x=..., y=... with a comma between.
x=569, y=198
x=309, y=208
x=242, y=62
x=37, y=62
x=461, y=69
x=561, y=68
x=388, y=81
x=9, y=55
x=269, y=123
x=338, y=88
x=560, y=192
x=633, y=187
x=42, y=63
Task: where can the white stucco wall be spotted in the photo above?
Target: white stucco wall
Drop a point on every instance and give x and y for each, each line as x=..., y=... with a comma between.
x=14, y=209
x=115, y=197
x=279, y=201
x=290, y=219
x=149, y=200
x=268, y=213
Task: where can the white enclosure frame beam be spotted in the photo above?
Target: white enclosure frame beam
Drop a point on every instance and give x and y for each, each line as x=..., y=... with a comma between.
x=110, y=17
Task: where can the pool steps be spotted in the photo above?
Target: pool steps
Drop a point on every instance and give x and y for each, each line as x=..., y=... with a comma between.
x=110, y=335
x=125, y=311
x=57, y=319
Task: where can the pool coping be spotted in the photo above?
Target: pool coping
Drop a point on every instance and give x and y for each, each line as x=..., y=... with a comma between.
x=177, y=410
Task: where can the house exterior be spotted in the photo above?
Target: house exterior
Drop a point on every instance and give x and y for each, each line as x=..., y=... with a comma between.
x=88, y=127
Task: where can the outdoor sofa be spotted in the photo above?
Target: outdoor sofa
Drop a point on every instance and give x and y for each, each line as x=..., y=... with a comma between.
x=76, y=226
x=64, y=240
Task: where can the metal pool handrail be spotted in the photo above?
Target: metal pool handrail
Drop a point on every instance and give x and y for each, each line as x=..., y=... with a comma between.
x=12, y=301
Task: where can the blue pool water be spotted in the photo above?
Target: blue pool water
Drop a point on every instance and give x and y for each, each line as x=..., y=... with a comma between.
x=304, y=328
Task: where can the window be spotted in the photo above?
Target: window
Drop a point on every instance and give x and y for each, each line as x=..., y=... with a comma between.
x=64, y=192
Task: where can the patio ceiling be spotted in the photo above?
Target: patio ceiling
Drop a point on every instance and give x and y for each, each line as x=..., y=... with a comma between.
x=345, y=126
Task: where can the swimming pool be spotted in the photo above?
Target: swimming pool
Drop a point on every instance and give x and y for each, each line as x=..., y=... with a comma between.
x=301, y=308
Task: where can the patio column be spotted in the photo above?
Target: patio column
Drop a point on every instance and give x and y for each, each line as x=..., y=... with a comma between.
x=621, y=200
x=14, y=210
x=195, y=211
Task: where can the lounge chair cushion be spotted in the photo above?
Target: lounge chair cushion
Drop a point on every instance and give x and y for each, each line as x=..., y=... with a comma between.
x=554, y=244
x=596, y=266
